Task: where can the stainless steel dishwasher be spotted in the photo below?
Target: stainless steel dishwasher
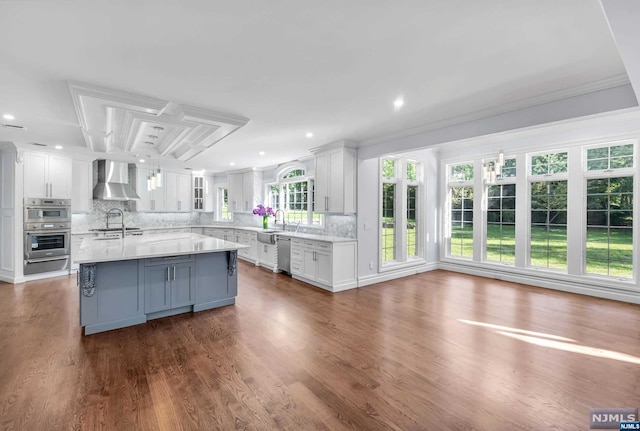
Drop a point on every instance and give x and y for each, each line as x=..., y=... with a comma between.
x=284, y=254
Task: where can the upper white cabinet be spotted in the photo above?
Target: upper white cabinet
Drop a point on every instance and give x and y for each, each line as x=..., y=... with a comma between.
x=47, y=176
x=335, y=181
x=82, y=194
x=150, y=200
x=203, y=193
x=245, y=191
x=178, y=192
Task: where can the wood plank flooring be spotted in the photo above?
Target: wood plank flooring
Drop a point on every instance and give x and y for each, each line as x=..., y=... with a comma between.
x=436, y=351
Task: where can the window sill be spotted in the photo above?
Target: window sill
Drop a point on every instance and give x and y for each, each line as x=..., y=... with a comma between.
x=548, y=274
x=387, y=267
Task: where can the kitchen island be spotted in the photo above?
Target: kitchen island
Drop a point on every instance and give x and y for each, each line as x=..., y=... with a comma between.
x=128, y=281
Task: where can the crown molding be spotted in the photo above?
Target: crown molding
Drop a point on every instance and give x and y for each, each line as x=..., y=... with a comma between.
x=603, y=84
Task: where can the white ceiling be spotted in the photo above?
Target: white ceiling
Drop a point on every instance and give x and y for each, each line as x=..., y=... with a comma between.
x=333, y=67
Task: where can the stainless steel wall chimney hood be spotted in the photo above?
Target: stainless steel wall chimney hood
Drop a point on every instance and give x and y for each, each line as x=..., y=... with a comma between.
x=113, y=182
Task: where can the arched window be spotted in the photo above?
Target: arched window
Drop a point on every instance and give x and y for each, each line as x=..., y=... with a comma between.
x=293, y=193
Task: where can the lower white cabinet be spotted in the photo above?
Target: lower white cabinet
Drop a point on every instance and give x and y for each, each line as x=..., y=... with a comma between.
x=329, y=265
x=268, y=256
x=220, y=233
x=250, y=239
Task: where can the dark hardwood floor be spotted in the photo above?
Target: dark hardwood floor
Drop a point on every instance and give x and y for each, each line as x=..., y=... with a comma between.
x=437, y=351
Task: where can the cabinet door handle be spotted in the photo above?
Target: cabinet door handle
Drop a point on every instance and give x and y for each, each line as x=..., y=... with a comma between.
x=50, y=190
x=326, y=203
x=174, y=273
x=168, y=270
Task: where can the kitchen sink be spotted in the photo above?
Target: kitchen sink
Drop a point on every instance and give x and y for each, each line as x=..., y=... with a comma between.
x=268, y=237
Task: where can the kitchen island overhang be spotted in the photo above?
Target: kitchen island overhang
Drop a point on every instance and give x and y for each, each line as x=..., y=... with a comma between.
x=131, y=280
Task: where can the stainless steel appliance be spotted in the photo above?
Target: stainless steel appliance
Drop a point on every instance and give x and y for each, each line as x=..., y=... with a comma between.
x=38, y=210
x=47, y=235
x=113, y=182
x=284, y=254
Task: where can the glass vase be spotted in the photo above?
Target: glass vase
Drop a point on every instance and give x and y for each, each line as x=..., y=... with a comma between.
x=265, y=222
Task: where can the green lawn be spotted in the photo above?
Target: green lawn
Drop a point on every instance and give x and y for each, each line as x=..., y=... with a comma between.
x=608, y=253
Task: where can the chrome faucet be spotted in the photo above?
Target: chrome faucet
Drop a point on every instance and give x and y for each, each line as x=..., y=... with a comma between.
x=121, y=218
x=284, y=224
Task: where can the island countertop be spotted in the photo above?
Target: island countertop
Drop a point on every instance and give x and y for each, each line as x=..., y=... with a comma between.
x=95, y=250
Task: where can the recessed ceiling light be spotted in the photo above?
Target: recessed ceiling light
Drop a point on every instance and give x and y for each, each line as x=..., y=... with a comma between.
x=8, y=117
x=232, y=163
x=141, y=160
x=58, y=147
x=309, y=135
x=398, y=103
x=261, y=153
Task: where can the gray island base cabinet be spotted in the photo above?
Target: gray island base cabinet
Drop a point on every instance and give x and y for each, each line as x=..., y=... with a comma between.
x=130, y=292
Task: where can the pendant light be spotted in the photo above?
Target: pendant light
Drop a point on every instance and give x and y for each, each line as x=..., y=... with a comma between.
x=492, y=169
x=158, y=173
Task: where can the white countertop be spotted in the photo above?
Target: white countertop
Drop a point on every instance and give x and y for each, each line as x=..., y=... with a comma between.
x=290, y=234
x=142, y=247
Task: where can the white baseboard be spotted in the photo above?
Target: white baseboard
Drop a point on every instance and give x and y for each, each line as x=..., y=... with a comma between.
x=607, y=292
x=33, y=277
x=392, y=275
x=10, y=279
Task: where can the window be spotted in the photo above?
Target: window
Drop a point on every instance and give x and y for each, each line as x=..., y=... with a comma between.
x=609, y=173
x=412, y=225
x=609, y=246
x=549, y=164
x=610, y=157
x=501, y=223
x=223, y=205
x=388, y=210
x=548, y=229
x=461, y=210
x=400, y=210
x=294, y=195
x=461, y=243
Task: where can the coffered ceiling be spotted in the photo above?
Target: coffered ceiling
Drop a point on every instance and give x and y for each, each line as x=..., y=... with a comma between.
x=114, y=122
x=264, y=74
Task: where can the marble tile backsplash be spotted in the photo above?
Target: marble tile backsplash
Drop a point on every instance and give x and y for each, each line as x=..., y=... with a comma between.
x=97, y=218
x=334, y=225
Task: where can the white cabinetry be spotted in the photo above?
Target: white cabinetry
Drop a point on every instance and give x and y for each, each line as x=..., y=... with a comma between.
x=247, y=238
x=82, y=194
x=269, y=256
x=331, y=266
x=47, y=176
x=204, y=196
x=245, y=191
x=225, y=234
x=150, y=200
x=178, y=192
x=335, y=181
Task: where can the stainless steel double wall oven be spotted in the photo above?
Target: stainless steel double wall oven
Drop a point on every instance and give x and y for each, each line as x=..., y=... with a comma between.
x=47, y=235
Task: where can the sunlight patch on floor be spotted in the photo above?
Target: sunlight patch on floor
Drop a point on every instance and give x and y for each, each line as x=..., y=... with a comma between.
x=554, y=342
x=575, y=348
x=515, y=330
